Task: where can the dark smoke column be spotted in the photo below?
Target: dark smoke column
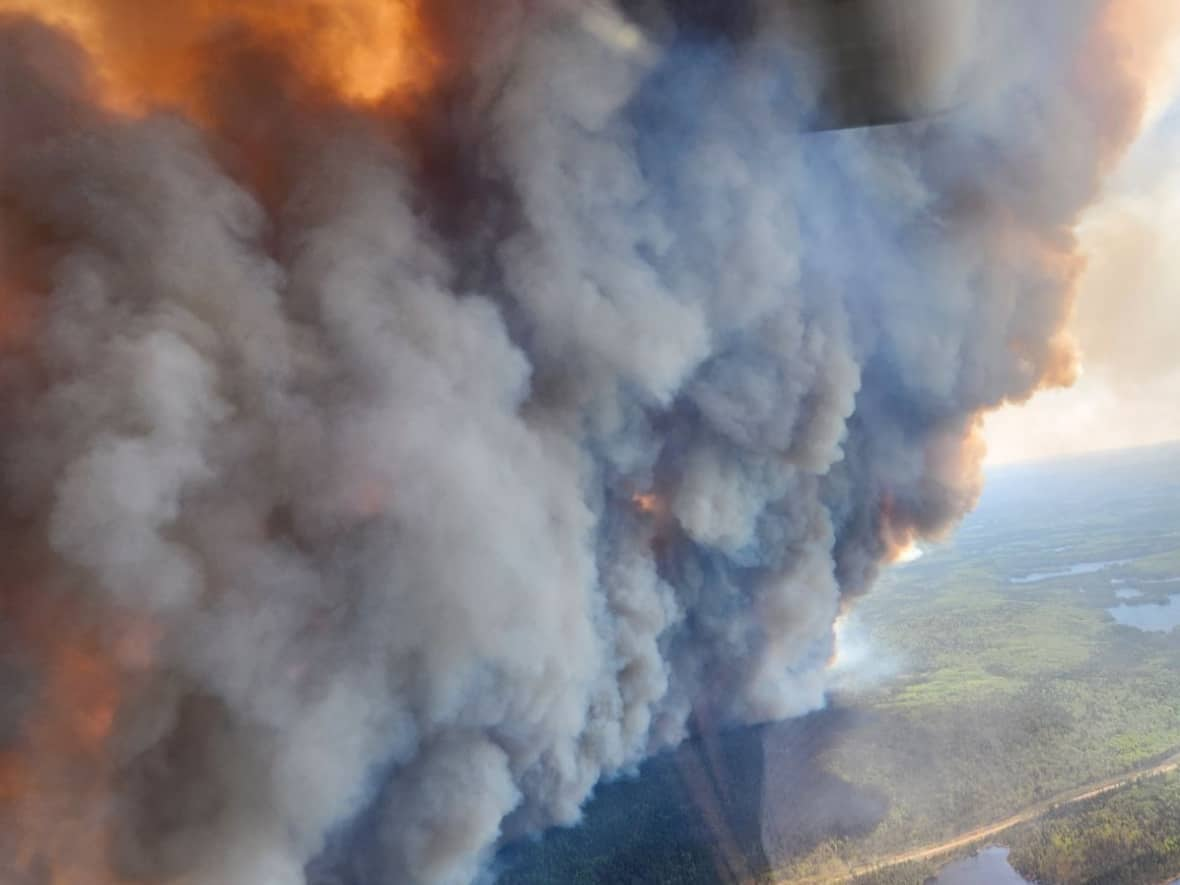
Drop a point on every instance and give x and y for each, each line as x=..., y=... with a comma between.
x=409, y=446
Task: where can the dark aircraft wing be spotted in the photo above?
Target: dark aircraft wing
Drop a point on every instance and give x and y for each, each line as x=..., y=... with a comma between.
x=871, y=62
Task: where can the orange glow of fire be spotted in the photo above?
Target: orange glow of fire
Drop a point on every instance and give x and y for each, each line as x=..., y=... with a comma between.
x=647, y=503
x=905, y=553
x=838, y=627
x=54, y=780
x=83, y=692
x=149, y=53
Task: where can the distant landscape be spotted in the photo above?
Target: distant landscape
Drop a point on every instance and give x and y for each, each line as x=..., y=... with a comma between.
x=1027, y=656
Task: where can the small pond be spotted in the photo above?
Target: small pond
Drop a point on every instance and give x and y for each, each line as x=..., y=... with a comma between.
x=988, y=867
x=1153, y=617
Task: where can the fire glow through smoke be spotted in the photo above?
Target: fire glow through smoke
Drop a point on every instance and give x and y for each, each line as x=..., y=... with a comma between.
x=647, y=502
x=55, y=775
x=146, y=55
x=337, y=337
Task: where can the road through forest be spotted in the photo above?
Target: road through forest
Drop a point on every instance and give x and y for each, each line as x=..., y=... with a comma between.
x=1078, y=794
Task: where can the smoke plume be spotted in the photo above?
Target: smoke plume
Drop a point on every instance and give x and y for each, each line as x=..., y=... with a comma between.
x=421, y=409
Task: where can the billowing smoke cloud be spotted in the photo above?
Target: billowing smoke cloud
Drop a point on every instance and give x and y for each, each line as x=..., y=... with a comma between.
x=429, y=433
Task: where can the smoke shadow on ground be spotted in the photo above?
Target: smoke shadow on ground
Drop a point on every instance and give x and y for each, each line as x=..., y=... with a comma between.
x=726, y=807
x=803, y=803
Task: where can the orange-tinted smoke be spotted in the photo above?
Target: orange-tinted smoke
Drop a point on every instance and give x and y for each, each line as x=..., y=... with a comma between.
x=21, y=275
x=152, y=54
x=1142, y=35
x=1127, y=57
x=247, y=71
x=647, y=502
x=55, y=771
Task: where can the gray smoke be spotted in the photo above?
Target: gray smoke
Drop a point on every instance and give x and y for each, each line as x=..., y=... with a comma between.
x=361, y=436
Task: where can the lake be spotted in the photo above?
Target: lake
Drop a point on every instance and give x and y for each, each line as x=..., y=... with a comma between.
x=1152, y=617
x=1082, y=568
x=988, y=867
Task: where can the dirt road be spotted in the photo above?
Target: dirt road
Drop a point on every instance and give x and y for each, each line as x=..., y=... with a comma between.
x=1079, y=794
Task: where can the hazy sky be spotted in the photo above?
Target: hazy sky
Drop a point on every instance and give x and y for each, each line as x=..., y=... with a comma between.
x=1127, y=318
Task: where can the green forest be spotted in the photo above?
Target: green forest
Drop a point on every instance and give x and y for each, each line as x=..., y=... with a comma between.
x=1125, y=838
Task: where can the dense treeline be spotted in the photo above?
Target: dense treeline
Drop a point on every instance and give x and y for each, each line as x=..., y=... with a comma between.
x=949, y=768
x=1128, y=837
